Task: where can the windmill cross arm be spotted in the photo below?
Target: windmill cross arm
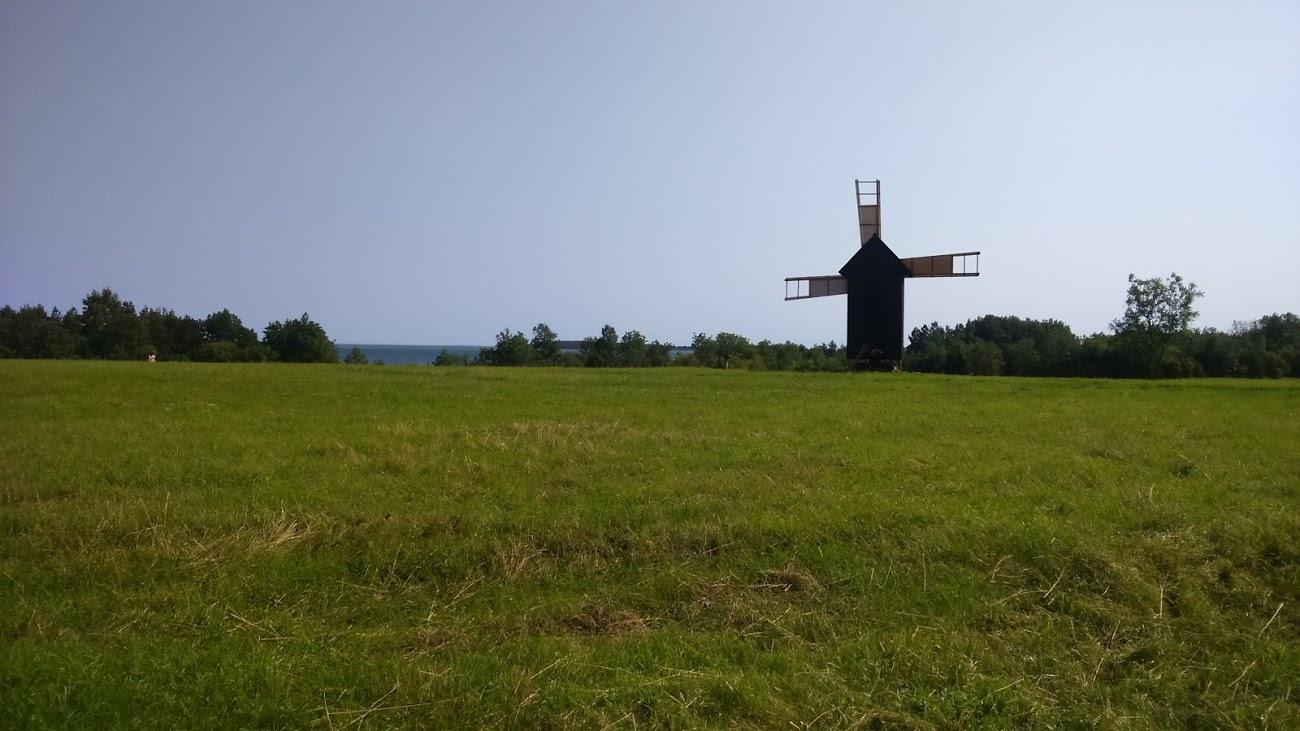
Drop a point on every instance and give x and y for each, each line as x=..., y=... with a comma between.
x=822, y=285
x=961, y=264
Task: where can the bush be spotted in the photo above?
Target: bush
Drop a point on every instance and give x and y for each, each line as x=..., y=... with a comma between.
x=448, y=358
x=221, y=351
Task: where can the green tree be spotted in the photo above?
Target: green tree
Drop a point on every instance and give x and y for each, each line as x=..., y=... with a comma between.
x=704, y=351
x=632, y=350
x=511, y=349
x=30, y=332
x=545, y=344
x=927, y=349
x=1158, y=305
x=218, y=351
x=1280, y=332
x=1029, y=347
x=600, y=352
x=658, y=354
x=299, y=341
x=226, y=325
x=171, y=336
x=111, y=327
x=981, y=358
x=1280, y=335
x=356, y=357
x=725, y=350
x=1157, y=314
x=71, y=324
x=733, y=350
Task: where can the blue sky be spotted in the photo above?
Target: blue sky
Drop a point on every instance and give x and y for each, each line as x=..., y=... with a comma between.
x=434, y=172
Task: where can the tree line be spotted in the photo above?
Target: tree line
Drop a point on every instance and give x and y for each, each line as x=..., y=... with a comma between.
x=632, y=350
x=110, y=328
x=1012, y=346
x=1153, y=338
x=606, y=350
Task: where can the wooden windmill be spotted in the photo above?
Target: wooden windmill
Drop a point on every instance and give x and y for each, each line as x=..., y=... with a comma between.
x=873, y=280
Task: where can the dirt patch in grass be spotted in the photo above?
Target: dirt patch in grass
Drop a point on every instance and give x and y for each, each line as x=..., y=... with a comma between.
x=876, y=719
x=597, y=619
x=789, y=578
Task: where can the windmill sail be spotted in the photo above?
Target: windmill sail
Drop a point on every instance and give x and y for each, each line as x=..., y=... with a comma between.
x=963, y=264
x=824, y=285
x=868, y=209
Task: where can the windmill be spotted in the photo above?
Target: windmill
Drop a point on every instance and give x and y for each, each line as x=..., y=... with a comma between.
x=873, y=280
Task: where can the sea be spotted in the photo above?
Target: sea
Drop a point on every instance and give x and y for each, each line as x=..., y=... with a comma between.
x=406, y=354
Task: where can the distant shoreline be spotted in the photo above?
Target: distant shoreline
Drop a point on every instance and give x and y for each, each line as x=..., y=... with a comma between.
x=426, y=354
x=406, y=354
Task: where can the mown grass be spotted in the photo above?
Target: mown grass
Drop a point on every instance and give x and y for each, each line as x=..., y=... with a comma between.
x=283, y=546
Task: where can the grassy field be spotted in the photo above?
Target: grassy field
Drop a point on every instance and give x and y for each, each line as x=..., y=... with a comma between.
x=342, y=547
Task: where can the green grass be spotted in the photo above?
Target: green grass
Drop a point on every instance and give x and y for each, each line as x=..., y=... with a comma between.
x=285, y=546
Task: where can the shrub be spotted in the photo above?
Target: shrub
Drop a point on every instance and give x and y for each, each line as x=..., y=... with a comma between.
x=221, y=351
x=448, y=358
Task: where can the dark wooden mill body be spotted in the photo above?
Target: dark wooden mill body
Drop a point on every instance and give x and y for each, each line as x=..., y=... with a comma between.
x=873, y=280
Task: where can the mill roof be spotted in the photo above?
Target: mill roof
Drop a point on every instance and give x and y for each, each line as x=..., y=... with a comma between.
x=875, y=258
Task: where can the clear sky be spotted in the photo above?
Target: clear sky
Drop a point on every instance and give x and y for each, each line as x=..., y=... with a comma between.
x=433, y=172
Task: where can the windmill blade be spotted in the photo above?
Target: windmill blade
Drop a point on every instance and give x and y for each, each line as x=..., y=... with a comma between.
x=868, y=208
x=963, y=264
x=825, y=285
